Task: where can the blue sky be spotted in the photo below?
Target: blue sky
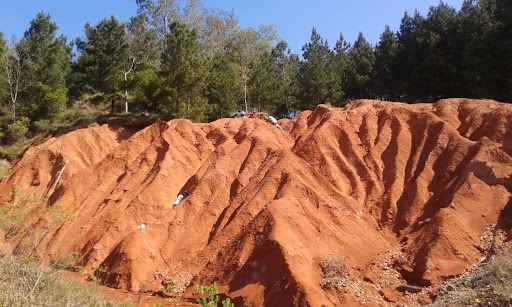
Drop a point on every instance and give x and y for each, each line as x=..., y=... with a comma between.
x=293, y=19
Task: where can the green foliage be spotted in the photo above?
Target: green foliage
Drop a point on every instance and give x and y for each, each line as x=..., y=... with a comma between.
x=82, y=112
x=14, y=150
x=160, y=13
x=319, y=82
x=101, y=274
x=46, y=62
x=286, y=66
x=384, y=74
x=184, y=74
x=48, y=102
x=143, y=42
x=3, y=56
x=145, y=83
x=223, y=90
x=42, y=125
x=18, y=130
x=17, y=212
x=104, y=54
x=203, y=66
x=209, y=296
x=210, y=293
x=227, y=303
x=48, y=57
x=170, y=286
x=359, y=68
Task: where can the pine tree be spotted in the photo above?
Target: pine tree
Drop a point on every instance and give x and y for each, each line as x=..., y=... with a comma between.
x=46, y=59
x=341, y=62
x=475, y=27
x=384, y=72
x=413, y=47
x=440, y=67
x=287, y=78
x=184, y=74
x=504, y=54
x=103, y=56
x=223, y=86
x=319, y=80
x=359, y=69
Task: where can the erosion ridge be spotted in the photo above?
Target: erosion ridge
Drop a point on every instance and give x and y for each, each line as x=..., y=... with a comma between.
x=407, y=194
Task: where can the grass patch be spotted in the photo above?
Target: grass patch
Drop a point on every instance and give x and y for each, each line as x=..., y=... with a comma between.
x=4, y=167
x=25, y=284
x=489, y=284
x=498, y=276
x=14, y=150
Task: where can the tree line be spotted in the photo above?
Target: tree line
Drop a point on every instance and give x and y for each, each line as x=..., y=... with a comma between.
x=202, y=65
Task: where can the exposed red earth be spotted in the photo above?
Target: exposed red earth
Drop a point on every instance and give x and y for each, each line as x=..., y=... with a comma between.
x=406, y=194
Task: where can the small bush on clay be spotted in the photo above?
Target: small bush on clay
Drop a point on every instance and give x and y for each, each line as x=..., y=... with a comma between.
x=334, y=272
x=212, y=296
x=66, y=262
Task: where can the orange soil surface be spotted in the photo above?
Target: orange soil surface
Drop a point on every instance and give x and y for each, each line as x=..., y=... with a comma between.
x=406, y=194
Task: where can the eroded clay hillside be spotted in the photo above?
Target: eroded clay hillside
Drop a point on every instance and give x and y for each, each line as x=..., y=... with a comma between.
x=406, y=194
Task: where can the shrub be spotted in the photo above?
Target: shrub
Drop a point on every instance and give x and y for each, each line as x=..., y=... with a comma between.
x=66, y=262
x=170, y=285
x=42, y=126
x=210, y=296
x=13, y=215
x=334, y=272
x=18, y=130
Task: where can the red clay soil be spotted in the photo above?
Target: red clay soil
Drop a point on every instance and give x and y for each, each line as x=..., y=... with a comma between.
x=406, y=194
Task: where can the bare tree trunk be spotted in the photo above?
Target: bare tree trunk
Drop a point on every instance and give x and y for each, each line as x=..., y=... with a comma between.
x=126, y=92
x=125, y=74
x=12, y=66
x=245, y=94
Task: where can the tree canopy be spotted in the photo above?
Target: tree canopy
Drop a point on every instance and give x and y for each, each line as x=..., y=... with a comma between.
x=203, y=65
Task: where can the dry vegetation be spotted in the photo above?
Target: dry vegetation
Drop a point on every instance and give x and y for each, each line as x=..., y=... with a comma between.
x=489, y=284
x=25, y=284
x=4, y=167
x=334, y=272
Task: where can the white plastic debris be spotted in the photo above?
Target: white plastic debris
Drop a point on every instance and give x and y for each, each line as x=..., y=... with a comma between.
x=179, y=199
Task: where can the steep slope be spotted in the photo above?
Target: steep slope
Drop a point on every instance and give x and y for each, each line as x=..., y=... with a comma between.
x=404, y=193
